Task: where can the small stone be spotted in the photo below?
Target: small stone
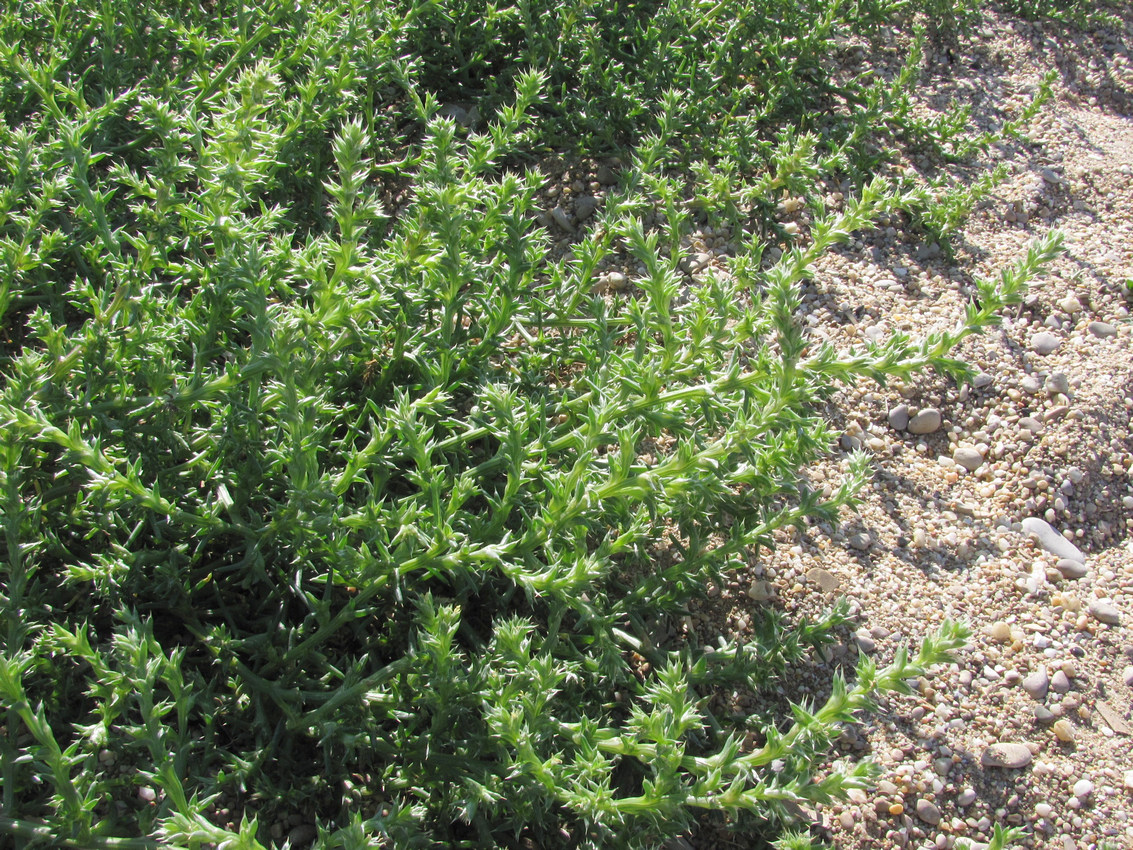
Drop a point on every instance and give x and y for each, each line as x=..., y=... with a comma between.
x=1064, y=731
x=967, y=457
x=865, y=640
x=1029, y=423
x=1051, y=176
x=1044, y=343
x=1057, y=382
x=606, y=175
x=616, y=280
x=826, y=581
x=1070, y=304
x=562, y=218
x=1071, y=569
x=967, y=797
x=147, y=794
x=1051, y=540
x=899, y=417
x=983, y=379
x=1083, y=788
x=1102, y=330
x=1000, y=632
x=849, y=443
x=1036, y=684
x=1113, y=718
x=1044, y=810
x=1043, y=714
x=1127, y=676
x=861, y=541
x=1011, y=756
x=896, y=809
x=584, y=207
x=1056, y=413
x=302, y=835
x=455, y=113
x=1030, y=384
x=760, y=591
x=1060, y=682
x=926, y=421
x=1104, y=612
x=928, y=812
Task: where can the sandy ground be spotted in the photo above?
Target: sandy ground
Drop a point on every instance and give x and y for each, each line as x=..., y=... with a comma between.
x=1043, y=434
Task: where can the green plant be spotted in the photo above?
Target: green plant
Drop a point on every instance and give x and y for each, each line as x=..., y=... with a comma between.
x=1001, y=838
x=327, y=486
x=1080, y=13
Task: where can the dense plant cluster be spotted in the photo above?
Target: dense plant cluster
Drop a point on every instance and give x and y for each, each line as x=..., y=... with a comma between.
x=326, y=484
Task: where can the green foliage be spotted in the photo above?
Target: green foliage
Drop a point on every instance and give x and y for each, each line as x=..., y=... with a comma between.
x=1002, y=837
x=327, y=484
x=1085, y=14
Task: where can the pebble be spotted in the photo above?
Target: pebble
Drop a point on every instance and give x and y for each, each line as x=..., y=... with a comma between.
x=1043, y=714
x=584, y=207
x=1083, y=788
x=616, y=280
x=1064, y=731
x=1071, y=569
x=147, y=794
x=302, y=835
x=826, y=581
x=983, y=379
x=1036, y=684
x=928, y=812
x=1102, y=329
x=899, y=417
x=606, y=175
x=861, y=541
x=926, y=421
x=1057, y=382
x=1007, y=755
x=760, y=591
x=1056, y=413
x=1029, y=423
x=562, y=218
x=1051, y=540
x=966, y=797
x=1104, y=612
x=1060, y=682
x=1000, y=631
x=865, y=640
x=1044, y=343
x=1127, y=676
x=1070, y=304
x=967, y=457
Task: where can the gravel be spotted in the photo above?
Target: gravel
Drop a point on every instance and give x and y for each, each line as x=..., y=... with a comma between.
x=1006, y=503
x=1010, y=756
